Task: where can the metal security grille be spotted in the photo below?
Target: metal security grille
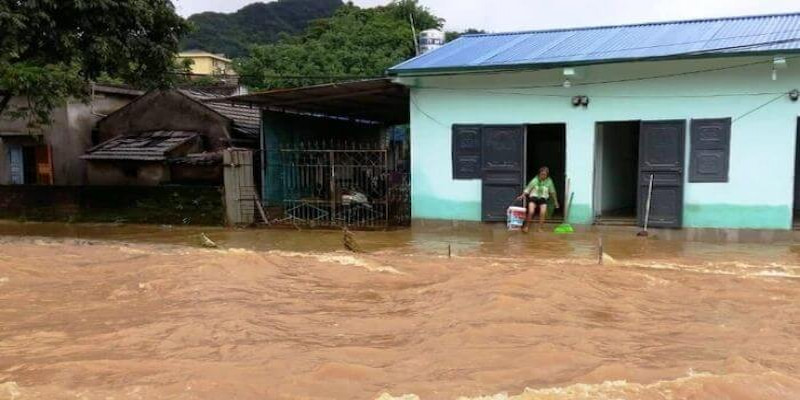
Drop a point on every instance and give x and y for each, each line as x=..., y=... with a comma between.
x=336, y=188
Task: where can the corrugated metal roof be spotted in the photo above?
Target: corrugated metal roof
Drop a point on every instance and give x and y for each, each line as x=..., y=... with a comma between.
x=678, y=39
x=150, y=146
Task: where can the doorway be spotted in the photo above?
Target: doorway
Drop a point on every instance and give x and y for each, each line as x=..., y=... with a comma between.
x=30, y=165
x=546, y=145
x=616, y=172
x=796, y=213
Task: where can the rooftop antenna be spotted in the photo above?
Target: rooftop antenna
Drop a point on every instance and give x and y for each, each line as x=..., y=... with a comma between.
x=414, y=33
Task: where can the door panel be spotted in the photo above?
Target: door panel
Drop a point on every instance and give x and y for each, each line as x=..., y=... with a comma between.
x=466, y=152
x=662, y=154
x=503, y=167
x=44, y=165
x=16, y=164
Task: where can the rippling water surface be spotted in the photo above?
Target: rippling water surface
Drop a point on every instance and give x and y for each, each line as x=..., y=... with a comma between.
x=286, y=315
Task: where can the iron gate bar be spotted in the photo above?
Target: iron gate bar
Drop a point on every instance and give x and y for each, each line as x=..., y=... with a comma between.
x=342, y=188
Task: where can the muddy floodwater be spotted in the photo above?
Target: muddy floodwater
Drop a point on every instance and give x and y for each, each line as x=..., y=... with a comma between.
x=143, y=312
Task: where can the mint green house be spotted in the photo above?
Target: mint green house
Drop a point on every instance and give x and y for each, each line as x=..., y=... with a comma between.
x=706, y=110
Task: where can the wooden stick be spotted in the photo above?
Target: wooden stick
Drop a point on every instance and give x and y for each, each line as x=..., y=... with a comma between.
x=600, y=250
x=261, y=210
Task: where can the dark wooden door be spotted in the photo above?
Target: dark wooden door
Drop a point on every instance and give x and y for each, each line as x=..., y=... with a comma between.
x=503, y=168
x=662, y=154
x=797, y=172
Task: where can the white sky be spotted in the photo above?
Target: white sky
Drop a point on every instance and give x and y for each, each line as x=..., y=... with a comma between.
x=509, y=15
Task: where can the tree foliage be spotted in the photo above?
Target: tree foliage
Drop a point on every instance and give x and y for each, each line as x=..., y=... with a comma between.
x=258, y=23
x=50, y=49
x=354, y=42
x=453, y=35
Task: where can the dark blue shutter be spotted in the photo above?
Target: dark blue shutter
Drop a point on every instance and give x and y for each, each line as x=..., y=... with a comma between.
x=466, y=151
x=709, y=157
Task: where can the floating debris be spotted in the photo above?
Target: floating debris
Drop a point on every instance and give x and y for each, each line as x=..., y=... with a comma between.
x=350, y=243
x=206, y=242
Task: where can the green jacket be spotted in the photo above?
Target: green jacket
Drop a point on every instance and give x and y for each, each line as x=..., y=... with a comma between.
x=542, y=189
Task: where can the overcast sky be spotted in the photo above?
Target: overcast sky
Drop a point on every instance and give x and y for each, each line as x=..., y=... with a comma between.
x=509, y=15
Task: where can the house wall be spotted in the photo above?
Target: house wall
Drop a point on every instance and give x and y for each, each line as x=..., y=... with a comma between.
x=168, y=111
x=208, y=65
x=109, y=173
x=69, y=135
x=760, y=189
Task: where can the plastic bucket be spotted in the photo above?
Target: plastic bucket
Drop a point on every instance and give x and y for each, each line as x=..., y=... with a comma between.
x=515, y=217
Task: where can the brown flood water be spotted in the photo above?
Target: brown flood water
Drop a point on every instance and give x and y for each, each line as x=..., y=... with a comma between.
x=286, y=315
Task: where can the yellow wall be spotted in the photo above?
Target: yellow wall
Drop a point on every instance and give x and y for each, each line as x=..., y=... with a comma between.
x=208, y=64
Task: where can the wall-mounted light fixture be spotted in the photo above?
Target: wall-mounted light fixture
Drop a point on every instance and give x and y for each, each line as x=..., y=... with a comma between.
x=794, y=95
x=578, y=101
x=778, y=63
x=571, y=74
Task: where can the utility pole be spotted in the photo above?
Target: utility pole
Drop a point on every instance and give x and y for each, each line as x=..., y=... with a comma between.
x=414, y=33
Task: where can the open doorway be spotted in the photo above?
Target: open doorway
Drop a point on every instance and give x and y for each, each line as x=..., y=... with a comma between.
x=546, y=145
x=616, y=172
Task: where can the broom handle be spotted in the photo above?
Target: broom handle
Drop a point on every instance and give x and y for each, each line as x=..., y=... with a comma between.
x=567, y=200
x=649, y=199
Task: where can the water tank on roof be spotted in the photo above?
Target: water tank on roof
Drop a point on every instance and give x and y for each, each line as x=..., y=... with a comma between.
x=430, y=39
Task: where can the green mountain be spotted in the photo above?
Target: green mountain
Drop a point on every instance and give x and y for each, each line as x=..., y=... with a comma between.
x=257, y=23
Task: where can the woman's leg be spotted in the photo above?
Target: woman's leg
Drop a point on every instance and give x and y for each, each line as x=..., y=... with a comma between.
x=529, y=219
x=542, y=214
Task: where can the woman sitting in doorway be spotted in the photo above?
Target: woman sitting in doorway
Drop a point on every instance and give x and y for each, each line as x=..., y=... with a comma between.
x=539, y=190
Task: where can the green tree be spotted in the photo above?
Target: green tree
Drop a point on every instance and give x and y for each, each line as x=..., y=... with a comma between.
x=354, y=43
x=51, y=49
x=453, y=35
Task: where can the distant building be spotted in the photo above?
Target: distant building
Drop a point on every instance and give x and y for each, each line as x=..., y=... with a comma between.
x=50, y=155
x=205, y=63
x=430, y=40
x=169, y=137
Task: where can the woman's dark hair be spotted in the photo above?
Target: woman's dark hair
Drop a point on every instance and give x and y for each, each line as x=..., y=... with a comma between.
x=545, y=170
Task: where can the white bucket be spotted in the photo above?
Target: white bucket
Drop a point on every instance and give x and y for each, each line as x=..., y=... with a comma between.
x=515, y=217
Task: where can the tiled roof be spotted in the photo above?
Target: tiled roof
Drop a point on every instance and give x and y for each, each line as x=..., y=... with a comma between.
x=246, y=119
x=150, y=146
x=764, y=34
x=198, y=159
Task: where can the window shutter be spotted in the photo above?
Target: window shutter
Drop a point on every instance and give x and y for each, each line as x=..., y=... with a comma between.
x=466, y=151
x=710, y=151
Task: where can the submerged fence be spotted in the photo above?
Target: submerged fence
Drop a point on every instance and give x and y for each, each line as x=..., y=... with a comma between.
x=359, y=188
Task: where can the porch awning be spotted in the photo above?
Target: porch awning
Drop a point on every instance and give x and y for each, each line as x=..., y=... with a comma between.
x=376, y=100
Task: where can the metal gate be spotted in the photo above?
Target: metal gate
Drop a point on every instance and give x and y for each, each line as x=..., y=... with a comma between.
x=338, y=188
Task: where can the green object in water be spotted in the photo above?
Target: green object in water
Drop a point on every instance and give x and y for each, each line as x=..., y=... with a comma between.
x=565, y=227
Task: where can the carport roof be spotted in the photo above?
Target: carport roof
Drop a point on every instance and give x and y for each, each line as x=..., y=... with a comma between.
x=374, y=100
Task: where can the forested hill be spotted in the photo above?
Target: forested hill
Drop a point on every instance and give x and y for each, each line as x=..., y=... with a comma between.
x=258, y=23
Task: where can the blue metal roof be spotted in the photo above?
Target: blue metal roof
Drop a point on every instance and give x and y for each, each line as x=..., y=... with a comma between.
x=677, y=39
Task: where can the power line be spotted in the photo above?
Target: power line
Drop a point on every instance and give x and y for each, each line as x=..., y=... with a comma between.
x=621, y=96
x=624, y=80
x=414, y=103
x=759, y=107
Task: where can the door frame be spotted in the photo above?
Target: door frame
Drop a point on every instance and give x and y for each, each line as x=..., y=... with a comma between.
x=597, y=176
